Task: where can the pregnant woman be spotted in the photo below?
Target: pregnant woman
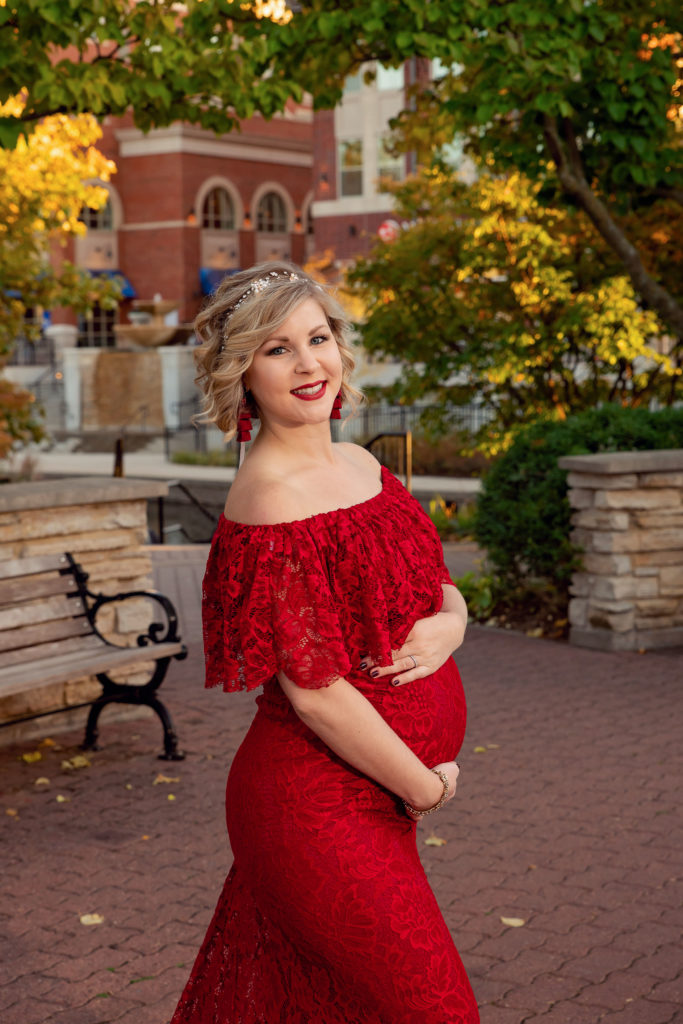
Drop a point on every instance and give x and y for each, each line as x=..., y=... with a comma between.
x=326, y=587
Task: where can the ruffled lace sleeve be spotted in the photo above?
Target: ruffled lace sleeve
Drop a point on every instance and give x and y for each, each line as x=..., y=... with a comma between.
x=268, y=607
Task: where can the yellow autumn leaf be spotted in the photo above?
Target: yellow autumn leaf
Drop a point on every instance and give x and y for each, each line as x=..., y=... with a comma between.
x=74, y=763
x=42, y=781
x=480, y=750
x=128, y=786
x=171, y=796
x=513, y=922
x=433, y=840
x=47, y=742
x=164, y=778
x=31, y=755
x=61, y=799
x=89, y=919
x=12, y=812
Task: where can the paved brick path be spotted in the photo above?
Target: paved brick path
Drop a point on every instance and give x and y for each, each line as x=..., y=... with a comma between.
x=568, y=818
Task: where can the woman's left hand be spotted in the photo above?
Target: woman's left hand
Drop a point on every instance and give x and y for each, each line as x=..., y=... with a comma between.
x=428, y=646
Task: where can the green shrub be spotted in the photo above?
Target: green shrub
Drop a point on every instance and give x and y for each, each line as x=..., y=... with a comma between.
x=452, y=521
x=446, y=456
x=223, y=457
x=523, y=514
x=480, y=593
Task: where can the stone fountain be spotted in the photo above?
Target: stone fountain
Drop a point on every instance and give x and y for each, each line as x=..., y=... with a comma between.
x=145, y=382
x=148, y=327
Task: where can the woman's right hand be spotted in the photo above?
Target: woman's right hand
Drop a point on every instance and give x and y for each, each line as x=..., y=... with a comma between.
x=451, y=769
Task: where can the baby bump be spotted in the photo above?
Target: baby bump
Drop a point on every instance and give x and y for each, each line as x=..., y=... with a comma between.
x=428, y=714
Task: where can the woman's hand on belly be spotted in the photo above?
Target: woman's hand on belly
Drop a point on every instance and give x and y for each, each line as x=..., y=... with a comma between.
x=429, y=644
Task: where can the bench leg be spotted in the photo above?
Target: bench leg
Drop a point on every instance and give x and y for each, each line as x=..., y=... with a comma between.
x=120, y=693
x=171, y=752
x=91, y=731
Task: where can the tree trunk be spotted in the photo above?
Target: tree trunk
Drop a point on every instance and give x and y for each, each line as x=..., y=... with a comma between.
x=570, y=173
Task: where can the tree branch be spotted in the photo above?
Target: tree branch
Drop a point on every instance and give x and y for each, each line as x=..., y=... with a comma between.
x=669, y=193
x=573, y=181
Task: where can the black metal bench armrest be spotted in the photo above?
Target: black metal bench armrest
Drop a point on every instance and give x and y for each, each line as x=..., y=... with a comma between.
x=155, y=631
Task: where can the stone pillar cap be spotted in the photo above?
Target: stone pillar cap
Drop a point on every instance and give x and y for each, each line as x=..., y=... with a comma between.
x=657, y=461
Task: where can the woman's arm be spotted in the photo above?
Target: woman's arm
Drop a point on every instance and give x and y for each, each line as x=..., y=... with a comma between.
x=348, y=723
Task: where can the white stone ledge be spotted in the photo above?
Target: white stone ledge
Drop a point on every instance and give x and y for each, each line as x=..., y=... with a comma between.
x=77, y=491
x=665, y=460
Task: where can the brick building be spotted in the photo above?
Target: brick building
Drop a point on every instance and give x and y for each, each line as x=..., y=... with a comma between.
x=186, y=206
x=350, y=157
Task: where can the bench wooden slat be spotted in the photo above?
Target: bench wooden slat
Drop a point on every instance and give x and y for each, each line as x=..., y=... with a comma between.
x=51, y=649
x=29, y=566
x=11, y=639
x=58, y=606
x=19, y=679
x=17, y=590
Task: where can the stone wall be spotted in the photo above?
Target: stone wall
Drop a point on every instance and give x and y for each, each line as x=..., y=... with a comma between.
x=628, y=519
x=103, y=523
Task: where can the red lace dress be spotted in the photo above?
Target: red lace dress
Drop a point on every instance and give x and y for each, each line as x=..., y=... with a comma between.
x=326, y=916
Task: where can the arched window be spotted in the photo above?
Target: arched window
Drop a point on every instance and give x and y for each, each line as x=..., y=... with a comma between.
x=217, y=210
x=271, y=214
x=98, y=220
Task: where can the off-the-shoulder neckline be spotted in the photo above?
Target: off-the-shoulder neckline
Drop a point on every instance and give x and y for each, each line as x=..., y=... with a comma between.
x=384, y=475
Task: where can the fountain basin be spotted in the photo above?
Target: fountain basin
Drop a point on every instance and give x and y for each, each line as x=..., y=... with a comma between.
x=139, y=337
x=155, y=307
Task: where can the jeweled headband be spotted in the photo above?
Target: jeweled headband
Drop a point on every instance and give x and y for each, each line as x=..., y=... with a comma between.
x=260, y=283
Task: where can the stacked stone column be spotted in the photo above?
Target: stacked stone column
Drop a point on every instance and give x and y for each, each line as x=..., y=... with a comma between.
x=628, y=519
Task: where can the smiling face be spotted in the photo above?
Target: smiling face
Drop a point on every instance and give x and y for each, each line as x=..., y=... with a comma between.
x=296, y=374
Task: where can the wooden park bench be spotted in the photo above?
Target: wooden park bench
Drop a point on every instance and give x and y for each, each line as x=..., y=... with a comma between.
x=49, y=634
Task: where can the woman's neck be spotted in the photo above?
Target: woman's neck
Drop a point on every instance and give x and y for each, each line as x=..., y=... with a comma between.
x=310, y=443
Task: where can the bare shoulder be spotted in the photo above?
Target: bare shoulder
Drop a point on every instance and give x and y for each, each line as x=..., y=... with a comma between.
x=360, y=456
x=259, y=500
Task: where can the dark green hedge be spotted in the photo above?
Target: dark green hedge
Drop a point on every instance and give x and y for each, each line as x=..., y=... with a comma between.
x=523, y=515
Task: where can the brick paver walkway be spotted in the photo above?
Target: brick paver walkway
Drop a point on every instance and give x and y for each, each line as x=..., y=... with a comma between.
x=567, y=818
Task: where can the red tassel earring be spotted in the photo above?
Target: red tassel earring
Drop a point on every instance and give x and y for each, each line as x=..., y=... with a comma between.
x=336, y=408
x=244, y=423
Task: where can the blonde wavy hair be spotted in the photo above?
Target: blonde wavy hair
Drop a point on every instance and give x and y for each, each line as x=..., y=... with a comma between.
x=244, y=312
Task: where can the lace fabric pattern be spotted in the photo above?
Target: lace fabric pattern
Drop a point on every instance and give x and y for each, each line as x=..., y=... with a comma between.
x=302, y=597
x=326, y=916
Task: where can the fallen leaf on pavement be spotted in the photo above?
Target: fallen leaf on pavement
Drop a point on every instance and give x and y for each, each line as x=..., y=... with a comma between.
x=128, y=786
x=494, y=746
x=164, y=778
x=171, y=796
x=513, y=922
x=433, y=840
x=47, y=742
x=88, y=919
x=42, y=781
x=77, y=761
x=12, y=811
x=31, y=755
x=536, y=632
x=480, y=750
x=61, y=799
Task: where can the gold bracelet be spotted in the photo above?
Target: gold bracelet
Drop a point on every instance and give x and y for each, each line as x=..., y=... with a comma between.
x=444, y=797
